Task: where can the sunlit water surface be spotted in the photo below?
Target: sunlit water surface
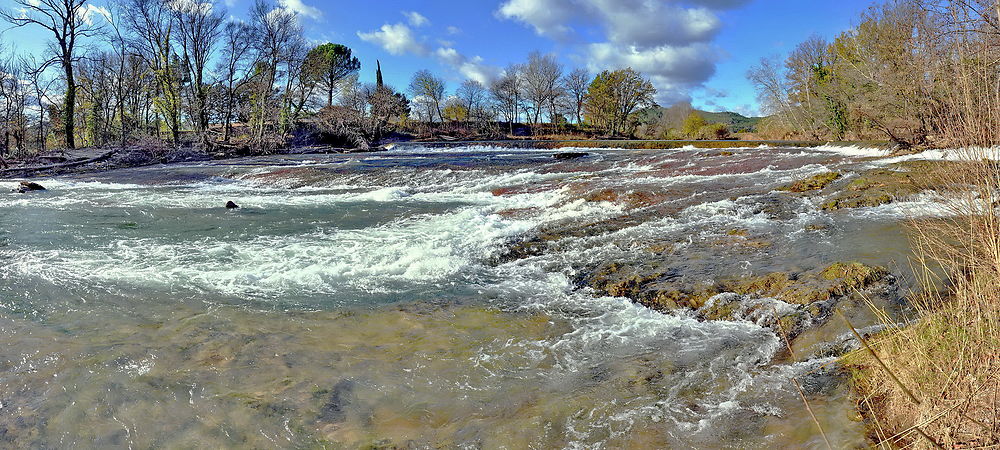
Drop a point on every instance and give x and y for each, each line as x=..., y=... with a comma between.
x=361, y=300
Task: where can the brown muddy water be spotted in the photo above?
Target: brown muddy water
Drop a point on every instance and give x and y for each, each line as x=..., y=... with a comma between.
x=372, y=300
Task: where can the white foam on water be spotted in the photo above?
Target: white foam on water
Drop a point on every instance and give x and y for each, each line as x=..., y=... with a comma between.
x=851, y=150
x=949, y=154
x=424, y=249
x=771, y=174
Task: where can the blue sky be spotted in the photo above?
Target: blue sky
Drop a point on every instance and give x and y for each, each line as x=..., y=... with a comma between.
x=697, y=49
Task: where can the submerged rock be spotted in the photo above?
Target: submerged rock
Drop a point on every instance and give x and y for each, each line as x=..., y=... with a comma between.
x=231, y=205
x=28, y=186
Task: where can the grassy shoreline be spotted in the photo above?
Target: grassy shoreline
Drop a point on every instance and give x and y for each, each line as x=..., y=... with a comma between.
x=934, y=381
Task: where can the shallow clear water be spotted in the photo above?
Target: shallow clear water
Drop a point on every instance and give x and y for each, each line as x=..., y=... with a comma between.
x=363, y=299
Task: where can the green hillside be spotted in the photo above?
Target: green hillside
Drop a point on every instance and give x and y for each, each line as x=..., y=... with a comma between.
x=736, y=122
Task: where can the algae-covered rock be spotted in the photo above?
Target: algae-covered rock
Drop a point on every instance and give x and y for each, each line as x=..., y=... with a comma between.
x=810, y=287
x=813, y=183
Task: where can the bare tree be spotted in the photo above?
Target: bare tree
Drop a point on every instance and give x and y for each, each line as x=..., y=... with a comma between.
x=576, y=84
x=541, y=84
x=69, y=21
x=275, y=30
x=152, y=27
x=199, y=26
x=115, y=36
x=13, y=101
x=234, y=68
x=473, y=96
x=505, y=92
x=34, y=73
x=426, y=87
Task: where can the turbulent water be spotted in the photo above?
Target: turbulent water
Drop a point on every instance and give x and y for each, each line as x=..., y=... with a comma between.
x=369, y=300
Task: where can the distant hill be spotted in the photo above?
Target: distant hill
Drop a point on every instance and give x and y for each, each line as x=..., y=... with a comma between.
x=736, y=122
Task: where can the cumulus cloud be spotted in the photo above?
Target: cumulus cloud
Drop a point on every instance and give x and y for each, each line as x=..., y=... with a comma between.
x=300, y=8
x=397, y=39
x=548, y=17
x=673, y=70
x=472, y=68
x=668, y=40
x=416, y=19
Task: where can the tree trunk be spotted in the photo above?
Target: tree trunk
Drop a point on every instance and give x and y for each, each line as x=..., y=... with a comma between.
x=70, y=104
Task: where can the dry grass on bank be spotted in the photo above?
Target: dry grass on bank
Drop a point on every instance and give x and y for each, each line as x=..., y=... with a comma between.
x=935, y=383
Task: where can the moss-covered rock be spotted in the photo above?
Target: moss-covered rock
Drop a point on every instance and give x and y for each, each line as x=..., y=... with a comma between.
x=853, y=276
x=813, y=183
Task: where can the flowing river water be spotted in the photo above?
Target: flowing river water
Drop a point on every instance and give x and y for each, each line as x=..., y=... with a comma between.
x=371, y=300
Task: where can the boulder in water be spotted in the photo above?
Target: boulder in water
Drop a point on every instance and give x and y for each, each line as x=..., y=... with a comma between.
x=570, y=155
x=231, y=205
x=28, y=186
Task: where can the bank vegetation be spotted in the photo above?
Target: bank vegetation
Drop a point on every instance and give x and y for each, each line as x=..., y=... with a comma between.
x=919, y=73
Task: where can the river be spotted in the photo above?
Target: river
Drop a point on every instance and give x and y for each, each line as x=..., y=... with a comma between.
x=372, y=300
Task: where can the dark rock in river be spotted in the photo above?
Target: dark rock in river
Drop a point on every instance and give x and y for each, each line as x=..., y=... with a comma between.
x=570, y=155
x=29, y=186
x=231, y=205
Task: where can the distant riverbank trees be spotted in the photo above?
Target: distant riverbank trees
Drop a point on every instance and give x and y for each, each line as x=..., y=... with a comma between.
x=185, y=73
x=916, y=72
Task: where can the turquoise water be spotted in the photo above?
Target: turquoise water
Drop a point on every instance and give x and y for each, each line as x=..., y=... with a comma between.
x=364, y=300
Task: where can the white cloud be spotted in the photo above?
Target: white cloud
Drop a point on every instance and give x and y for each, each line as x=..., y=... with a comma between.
x=89, y=12
x=548, y=17
x=633, y=22
x=396, y=39
x=673, y=70
x=472, y=68
x=453, y=30
x=670, y=41
x=300, y=8
x=416, y=19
